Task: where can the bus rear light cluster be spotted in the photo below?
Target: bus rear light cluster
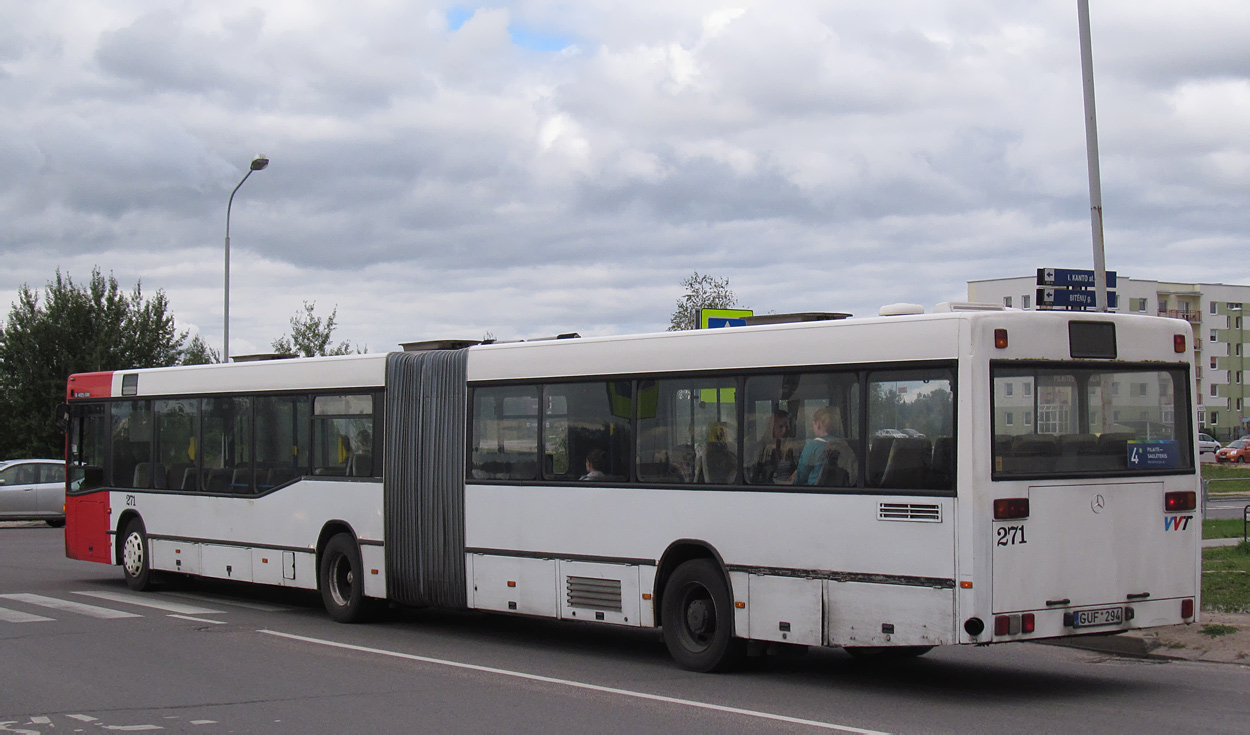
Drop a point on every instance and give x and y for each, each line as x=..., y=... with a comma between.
x=1000, y=339
x=1187, y=608
x=1178, y=344
x=1180, y=500
x=1009, y=508
x=1014, y=624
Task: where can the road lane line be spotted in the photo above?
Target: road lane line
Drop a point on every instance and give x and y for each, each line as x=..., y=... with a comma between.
x=198, y=620
x=580, y=685
x=67, y=606
x=17, y=616
x=153, y=602
x=263, y=607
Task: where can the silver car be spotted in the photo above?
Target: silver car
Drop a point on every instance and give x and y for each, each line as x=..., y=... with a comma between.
x=33, y=490
x=1207, y=443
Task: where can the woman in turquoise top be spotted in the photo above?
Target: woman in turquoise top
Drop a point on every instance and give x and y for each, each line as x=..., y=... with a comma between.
x=813, y=457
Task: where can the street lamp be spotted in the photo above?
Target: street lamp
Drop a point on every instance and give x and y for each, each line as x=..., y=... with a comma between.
x=258, y=164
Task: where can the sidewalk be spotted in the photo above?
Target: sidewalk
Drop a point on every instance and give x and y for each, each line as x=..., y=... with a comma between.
x=1218, y=638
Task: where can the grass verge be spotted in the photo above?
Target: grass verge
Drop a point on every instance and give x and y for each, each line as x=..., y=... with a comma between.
x=1226, y=578
x=1226, y=478
x=1223, y=528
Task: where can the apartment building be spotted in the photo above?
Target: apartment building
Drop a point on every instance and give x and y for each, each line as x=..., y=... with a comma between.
x=1214, y=310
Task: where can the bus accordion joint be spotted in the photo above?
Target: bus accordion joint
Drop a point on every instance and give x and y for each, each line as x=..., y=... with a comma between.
x=1010, y=508
x=1180, y=500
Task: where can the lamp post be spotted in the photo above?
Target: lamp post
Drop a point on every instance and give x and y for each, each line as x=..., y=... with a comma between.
x=258, y=164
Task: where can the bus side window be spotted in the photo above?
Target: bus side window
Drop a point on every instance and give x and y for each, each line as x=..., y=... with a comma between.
x=282, y=442
x=691, y=433
x=586, y=429
x=131, y=444
x=177, y=434
x=343, y=435
x=505, y=433
x=911, y=418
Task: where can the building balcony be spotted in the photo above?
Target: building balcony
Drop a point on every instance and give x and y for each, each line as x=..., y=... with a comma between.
x=1191, y=316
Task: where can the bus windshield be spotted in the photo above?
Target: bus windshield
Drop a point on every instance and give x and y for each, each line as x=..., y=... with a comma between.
x=1080, y=421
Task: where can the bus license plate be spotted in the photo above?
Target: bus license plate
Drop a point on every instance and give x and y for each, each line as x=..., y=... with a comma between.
x=1103, y=616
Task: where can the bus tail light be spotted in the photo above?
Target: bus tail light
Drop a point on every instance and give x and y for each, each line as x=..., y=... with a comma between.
x=1002, y=624
x=1027, y=623
x=1009, y=508
x=1180, y=500
x=1014, y=624
x=1000, y=339
x=1178, y=344
x=1187, y=608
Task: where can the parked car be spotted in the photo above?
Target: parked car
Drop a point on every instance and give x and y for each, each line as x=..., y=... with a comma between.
x=33, y=490
x=892, y=432
x=1207, y=443
x=1236, y=451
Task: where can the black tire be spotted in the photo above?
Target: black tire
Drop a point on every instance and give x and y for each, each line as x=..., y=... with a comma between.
x=342, y=580
x=135, y=556
x=886, y=653
x=55, y=522
x=698, y=620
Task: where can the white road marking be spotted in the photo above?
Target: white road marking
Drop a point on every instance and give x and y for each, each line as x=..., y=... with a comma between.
x=41, y=720
x=203, y=722
x=82, y=718
x=198, y=620
x=153, y=602
x=580, y=685
x=67, y=606
x=263, y=607
x=133, y=728
x=17, y=616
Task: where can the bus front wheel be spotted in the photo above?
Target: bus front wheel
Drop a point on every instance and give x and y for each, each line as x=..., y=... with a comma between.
x=342, y=580
x=697, y=617
x=135, y=563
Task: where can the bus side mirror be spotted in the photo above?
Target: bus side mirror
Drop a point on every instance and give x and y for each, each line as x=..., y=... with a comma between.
x=60, y=419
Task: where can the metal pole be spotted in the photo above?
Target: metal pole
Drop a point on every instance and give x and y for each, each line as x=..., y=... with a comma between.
x=1091, y=148
x=225, y=348
x=258, y=164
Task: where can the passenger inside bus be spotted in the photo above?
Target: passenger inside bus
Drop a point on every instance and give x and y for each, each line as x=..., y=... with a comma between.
x=827, y=459
x=596, y=461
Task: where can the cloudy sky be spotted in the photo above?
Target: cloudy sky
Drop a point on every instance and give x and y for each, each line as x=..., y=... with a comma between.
x=530, y=168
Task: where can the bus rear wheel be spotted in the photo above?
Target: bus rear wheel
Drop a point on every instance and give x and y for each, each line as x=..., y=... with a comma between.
x=342, y=580
x=697, y=616
x=135, y=563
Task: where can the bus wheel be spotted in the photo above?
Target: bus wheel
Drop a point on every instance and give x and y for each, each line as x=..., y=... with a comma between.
x=886, y=653
x=342, y=582
x=697, y=616
x=135, y=556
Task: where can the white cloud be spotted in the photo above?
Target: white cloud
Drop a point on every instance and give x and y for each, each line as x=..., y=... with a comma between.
x=438, y=182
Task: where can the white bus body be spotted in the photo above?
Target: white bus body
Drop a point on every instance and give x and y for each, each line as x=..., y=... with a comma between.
x=1052, y=495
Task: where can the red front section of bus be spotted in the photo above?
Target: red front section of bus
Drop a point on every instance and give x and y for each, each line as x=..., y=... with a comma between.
x=87, y=517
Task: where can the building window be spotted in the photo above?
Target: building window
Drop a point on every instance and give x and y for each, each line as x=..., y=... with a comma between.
x=1237, y=323
x=1213, y=393
x=1028, y=418
x=1024, y=301
x=1213, y=339
x=1215, y=418
x=1212, y=363
x=1238, y=404
x=1237, y=349
x=1007, y=301
x=1028, y=389
x=1009, y=388
x=1138, y=305
x=1238, y=376
x=1011, y=418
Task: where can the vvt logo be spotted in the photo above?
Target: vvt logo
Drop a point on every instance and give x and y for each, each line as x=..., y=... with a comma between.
x=1176, y=523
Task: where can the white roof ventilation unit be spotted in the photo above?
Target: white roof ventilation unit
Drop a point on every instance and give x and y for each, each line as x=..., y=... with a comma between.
x=949, y=306
x=900, y=309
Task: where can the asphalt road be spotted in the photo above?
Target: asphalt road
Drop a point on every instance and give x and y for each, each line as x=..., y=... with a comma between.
x=201, y=657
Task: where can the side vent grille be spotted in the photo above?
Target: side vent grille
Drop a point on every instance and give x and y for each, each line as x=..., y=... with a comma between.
x=923, y=512
x=594, y=594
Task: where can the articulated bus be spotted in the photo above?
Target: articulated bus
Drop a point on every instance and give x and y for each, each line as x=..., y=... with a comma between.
x=883, y=484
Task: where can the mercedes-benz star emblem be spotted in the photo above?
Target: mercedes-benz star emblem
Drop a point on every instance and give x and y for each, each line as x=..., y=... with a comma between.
x=1098, y=503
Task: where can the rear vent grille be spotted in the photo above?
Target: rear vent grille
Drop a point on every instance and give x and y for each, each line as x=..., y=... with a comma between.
x=594, y=594
x=925, y=512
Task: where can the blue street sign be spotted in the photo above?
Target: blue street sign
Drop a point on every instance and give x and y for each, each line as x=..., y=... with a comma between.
x=1071, y=277
x=716, y=322
x=1067, y=298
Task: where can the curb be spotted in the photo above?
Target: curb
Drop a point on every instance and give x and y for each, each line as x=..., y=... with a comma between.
x=1120, y=644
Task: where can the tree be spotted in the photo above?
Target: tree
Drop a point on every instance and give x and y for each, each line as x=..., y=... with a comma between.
x=73, y=328
x=197, y=352
x=702, y=292
x=310, y=335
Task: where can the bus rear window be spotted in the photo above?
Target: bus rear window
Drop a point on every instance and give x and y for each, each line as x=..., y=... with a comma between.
x=1082, y=421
